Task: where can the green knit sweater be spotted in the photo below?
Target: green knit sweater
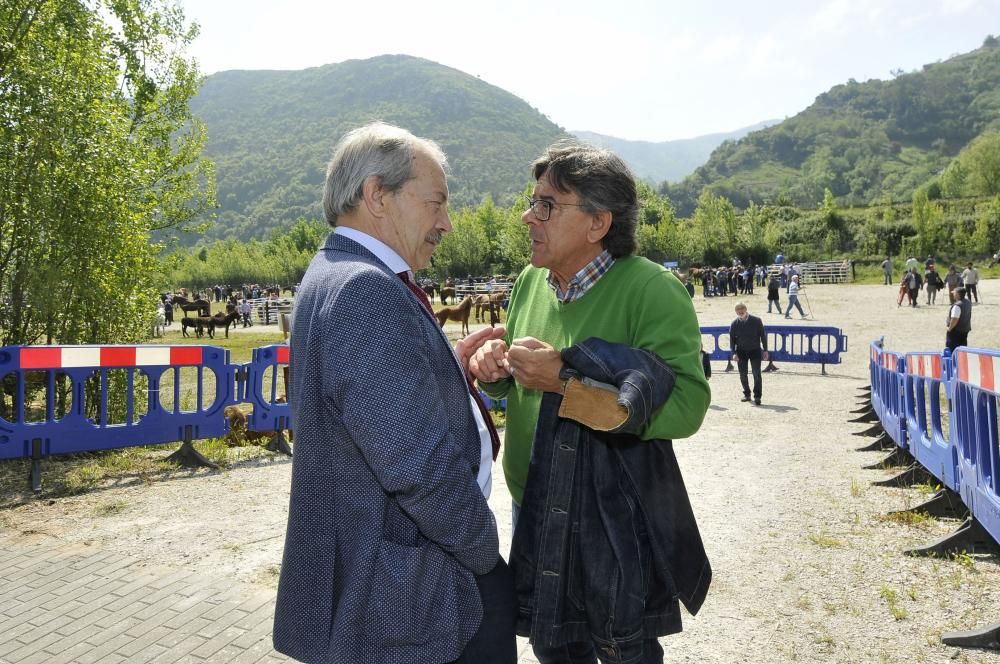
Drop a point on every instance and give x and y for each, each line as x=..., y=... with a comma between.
x=636, y=303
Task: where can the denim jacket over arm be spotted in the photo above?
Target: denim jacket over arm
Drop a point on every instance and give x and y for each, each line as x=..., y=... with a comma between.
x=606, y=542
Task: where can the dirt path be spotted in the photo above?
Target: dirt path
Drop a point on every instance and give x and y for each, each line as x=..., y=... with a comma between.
x=807, y=565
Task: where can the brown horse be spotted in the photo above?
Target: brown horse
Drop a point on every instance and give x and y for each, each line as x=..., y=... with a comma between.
x=203, y=307
x=225, y=320
x=446, y=292
x=482, y=303
x=456, y=313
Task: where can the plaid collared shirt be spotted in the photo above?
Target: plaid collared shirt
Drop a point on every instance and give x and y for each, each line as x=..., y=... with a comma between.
x=583, y=280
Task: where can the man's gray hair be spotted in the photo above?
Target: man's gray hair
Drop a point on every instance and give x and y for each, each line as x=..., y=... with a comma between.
x=376, y=150
x=602, y=181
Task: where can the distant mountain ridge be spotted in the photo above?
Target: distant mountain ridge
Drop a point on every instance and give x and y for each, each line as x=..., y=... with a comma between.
x=271, y=133
x=667, y=160
x=865, y=142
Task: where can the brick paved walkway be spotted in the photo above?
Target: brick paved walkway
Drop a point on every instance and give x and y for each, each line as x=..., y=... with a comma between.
x=63, y=603
x=69, y=603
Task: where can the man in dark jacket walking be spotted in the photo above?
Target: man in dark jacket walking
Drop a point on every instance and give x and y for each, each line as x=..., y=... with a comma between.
x=749, y=345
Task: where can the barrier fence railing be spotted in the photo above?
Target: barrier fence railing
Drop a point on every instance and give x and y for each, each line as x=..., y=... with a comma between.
x=786, y=343
x=66, y=399
x=943, y=410
x=69, y=399
x=948, y=407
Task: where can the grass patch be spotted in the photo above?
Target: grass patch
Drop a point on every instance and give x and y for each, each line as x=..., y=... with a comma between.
x=891, y=599
x=824, y=540
x=910, y=518
x=857, y=488
x=112, y=508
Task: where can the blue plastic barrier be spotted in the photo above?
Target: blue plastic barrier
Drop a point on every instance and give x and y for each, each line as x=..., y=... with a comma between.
x=928, y=395
x=888, y=393
x=271, y=411
x=787, y=343
x=974, y=432
x=62, y=372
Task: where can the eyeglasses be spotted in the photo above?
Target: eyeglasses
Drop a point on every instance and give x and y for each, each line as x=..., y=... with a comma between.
x=542, y=209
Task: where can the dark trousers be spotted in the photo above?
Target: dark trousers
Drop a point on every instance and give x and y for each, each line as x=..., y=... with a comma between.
x=971, y=292
x=953, y=340
x=584, y=653
x=494, y=642
x=742, y=359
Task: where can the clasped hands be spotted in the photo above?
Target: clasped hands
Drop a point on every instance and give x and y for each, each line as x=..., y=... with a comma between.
x=534, y=364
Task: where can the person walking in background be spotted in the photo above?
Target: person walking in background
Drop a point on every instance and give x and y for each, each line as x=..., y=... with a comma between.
x=245, y=313
x=774, y=294
x=887, y=271
x=392, y=552
x=748, y=342
x=953, y=280
x=933, y=282
x=913, y=282
x=970, y=277
x=959, y=321
x=793, y=297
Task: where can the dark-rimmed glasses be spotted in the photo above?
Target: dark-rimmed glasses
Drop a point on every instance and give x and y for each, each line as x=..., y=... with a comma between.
x=542, y=209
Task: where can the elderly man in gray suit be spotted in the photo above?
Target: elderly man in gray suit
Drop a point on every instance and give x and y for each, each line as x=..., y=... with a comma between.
x=391, y=553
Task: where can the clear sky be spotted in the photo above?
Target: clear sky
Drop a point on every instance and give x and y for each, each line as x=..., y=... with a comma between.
x=636, y=69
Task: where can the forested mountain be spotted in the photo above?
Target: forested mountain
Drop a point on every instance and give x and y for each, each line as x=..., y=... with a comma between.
x=864, y=142
x=667, y=160
x=271, y=133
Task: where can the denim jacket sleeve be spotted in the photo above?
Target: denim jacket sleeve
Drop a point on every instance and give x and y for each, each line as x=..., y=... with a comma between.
x=644, y=381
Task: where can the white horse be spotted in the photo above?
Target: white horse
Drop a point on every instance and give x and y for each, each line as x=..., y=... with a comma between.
x=160, y=322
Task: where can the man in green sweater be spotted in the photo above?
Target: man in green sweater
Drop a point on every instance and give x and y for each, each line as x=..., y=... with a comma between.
x=584, y=282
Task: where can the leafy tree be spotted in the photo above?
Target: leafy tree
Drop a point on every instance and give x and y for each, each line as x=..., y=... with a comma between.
x=97, y=148
x=982, y=159
x=466, y=249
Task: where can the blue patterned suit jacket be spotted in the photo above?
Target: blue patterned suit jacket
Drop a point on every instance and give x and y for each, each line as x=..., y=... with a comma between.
x=386, y=524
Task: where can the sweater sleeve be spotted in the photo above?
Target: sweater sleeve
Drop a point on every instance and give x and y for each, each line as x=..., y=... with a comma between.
x=665, y=323
x=763, y=334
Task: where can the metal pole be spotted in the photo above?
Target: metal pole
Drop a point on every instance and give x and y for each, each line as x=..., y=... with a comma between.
x=809, y=306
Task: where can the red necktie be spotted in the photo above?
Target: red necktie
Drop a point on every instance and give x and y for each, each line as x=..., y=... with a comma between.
x=494, y=436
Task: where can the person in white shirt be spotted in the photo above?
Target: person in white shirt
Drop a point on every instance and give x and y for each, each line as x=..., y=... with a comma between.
x=793, y=297
x=970, y=277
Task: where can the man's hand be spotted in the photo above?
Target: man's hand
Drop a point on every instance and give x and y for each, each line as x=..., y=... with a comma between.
x=535, y=364
x=488, y=363
x=765, y=356
x=467, y=348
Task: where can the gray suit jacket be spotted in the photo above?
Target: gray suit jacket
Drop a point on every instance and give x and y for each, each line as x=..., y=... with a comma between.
x=386, y=525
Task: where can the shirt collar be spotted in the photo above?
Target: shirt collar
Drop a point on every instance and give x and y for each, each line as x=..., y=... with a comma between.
x=382, y=251
x=583, y=280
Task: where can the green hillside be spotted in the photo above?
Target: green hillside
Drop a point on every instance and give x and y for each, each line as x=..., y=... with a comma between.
x=271, y=133
x=864, y=142
x=667, y=160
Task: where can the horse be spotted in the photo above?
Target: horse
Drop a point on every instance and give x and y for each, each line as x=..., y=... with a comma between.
x=459, y=313
x=198, y=325
x=202, y=306
x=226, y=319
x=430, y=289
x=482, y=303
x=160, y=321
x=446, y=292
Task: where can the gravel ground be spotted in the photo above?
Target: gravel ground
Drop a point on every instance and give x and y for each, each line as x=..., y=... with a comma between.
x=807, y=565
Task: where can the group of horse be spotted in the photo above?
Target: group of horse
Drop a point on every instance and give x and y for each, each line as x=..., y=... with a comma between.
x=482, y=304
x=432, y=288
x=203, y=324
